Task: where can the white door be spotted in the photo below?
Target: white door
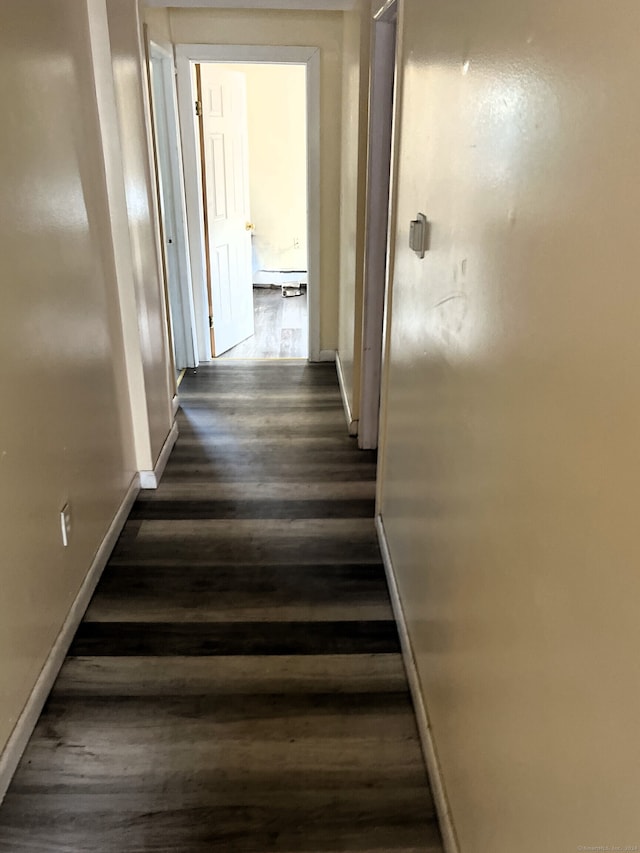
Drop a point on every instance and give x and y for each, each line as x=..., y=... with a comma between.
x=224, y=128
x=172, y=215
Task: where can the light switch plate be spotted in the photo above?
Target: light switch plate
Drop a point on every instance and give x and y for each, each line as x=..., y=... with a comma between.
x=418, y=231
x=65, y=524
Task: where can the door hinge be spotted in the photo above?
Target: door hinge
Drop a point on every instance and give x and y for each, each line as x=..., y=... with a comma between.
x=210, y=321
x=198, y=108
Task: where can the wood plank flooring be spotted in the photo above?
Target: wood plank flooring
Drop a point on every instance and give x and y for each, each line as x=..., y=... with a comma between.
x=236, y=683
x=280, y=327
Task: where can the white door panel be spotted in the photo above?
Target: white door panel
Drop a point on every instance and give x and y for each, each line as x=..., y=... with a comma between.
x=172, y=215
x=227, y=192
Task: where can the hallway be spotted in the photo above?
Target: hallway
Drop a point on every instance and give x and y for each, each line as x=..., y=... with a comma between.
x=236, y=683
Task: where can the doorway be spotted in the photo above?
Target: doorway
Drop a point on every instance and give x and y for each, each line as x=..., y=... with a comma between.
x=379, y=235
x=175, y=252
x=253, y=145
x=276, y=248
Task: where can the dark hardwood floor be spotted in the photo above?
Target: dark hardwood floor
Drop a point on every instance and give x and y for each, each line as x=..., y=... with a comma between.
x=236, y=683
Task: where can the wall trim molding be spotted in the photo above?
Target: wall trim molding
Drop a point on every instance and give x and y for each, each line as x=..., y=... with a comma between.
x=422, y=718
x=150, y=479
x=28, y=718
x=351, y=423
x=175, y=405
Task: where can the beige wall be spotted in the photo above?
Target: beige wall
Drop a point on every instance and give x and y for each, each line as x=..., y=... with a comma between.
x=277, y=114
x=264, y=27
x=159, y=385
x=157, y=23
x=511, y=463
x=355, y=79
x=66, y=431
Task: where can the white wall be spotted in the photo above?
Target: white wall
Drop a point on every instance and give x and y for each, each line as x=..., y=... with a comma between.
x=355, y=113
x=511, y=464
x=66, y=431
x=289, y=28
x=129, y=77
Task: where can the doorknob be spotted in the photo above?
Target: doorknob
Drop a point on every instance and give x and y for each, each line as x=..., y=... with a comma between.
x=249, y=226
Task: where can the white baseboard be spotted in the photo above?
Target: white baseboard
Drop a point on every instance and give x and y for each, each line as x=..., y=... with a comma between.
x=27, y=720
x=351, y=423
x=175, y=405
x=426, y=737
x=327, y=355
x=150, y=479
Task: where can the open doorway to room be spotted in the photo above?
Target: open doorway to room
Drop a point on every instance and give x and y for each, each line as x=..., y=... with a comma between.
x=378, y=267
x=171, y=205
x=266, y=136
x=251, y=155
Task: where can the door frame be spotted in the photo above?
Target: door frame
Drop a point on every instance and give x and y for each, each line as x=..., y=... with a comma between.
x=383, y=75
x=186, y=54
x=175, y=219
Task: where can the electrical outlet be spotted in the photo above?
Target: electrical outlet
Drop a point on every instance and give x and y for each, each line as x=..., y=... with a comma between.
x=65, y=524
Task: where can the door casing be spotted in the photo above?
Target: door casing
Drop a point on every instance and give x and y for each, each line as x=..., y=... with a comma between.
x=188, y=54
x=383, y=75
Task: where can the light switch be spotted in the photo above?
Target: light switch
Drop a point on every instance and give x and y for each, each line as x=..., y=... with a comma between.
x=418, y=232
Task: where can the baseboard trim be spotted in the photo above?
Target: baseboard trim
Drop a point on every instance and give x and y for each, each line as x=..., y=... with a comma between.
x=426, y=738
x=175, y=405
x=27, y=720
x=150, y=479
x=351, y=423
x=327, y=355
